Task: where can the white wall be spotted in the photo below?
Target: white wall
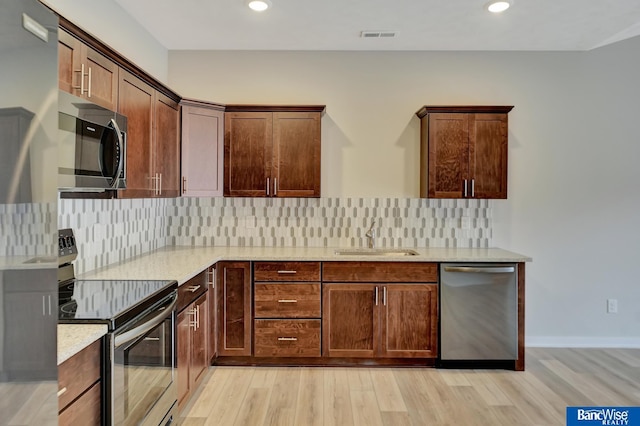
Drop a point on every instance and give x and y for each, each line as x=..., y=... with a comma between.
x=573, y=202
x=108, y=22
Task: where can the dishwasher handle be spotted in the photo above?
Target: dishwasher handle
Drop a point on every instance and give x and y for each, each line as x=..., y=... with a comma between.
x=481, y=269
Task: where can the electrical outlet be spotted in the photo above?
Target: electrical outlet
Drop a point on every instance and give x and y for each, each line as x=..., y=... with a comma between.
x=612, y=306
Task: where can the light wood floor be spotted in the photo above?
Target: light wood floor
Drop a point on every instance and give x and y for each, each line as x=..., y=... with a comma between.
x=553, y=380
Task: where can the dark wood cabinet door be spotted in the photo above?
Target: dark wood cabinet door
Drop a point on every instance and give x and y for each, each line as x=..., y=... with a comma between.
x=199, y=350
x=69, y=63
x=409, y=320
x=234, y=308
x=86, y=410
x=350, y=323
x=488, y=142
x=86, y=73
x=296, y=154
x=212, y=300
x=448, y=147
x=136, y=102
x=202, y=150
x=247, y=154
x=102, y=79
x=183, y=356
x=167, y=146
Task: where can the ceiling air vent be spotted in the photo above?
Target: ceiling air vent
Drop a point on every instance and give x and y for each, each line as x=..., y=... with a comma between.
x=377, y=34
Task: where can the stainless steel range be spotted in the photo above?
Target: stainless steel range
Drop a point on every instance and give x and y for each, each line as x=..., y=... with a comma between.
x=139, y=360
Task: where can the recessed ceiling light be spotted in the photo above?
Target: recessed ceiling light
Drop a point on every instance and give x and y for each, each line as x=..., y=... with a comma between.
x=259, y=5
x=498, y=6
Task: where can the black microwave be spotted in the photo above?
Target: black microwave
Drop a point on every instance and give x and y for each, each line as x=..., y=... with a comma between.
x=92, y=146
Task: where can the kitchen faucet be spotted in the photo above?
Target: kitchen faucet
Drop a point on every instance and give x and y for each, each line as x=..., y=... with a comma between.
x=371, y=235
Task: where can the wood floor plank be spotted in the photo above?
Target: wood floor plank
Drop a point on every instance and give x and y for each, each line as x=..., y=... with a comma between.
x=397, y=418
x=284, y=396
x=365, y=408
x=487, y=388
x=310, y=406
x=264, y=377
x=387, y=391
x=337, y=398
x=210, y=391
x=359, y=379
x=192, y=421
x=455, y=377
x=227, y=406
x=254, y=407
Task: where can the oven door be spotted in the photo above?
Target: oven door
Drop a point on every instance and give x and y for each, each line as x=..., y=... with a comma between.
x=143, y=390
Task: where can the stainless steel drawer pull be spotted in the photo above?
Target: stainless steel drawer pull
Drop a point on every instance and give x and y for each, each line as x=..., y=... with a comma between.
x=287, y=301
x=193, y=288
x=482, y=270
x=152, y=339
x=287, y=272
x=287, y=339
x=62, y=391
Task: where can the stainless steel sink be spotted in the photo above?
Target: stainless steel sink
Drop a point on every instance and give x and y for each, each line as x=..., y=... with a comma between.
x=375, y=252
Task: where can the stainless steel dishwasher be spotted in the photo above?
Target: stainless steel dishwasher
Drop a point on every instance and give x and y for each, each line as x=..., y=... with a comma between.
x=478, y=311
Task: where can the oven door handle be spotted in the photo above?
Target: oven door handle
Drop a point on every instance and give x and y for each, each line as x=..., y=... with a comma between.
x=150, y=324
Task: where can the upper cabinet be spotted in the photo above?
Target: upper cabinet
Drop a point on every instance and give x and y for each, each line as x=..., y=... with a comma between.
x=202, y=148
x=272, y=151
x=153, y=144
x=84, y=72
x=463, y=151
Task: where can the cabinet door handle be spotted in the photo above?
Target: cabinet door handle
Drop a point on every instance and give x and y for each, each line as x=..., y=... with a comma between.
x=465, y=188
x=152, y=339
x=287, y=339
x=384, y=296
x=89, y=83
x=62, y=391
x=82, y=74
x=290, y=272
x=193, y=288
x=287, y=301
x=44, y=307
x=160, y=184
x=275, y=187
x=268, y=187
x=211, y=277
x=473, y=188
x=184, y=184
x=376, y=291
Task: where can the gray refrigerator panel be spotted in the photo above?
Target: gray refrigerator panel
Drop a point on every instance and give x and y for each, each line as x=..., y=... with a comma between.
x=479, y=318
x=28, y=213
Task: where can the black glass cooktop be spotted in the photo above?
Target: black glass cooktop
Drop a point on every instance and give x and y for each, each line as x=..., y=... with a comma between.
x=111, y=302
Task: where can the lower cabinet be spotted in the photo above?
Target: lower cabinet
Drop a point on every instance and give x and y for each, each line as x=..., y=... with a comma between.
x=192, y=333
x=80, y=388
x=234, y=308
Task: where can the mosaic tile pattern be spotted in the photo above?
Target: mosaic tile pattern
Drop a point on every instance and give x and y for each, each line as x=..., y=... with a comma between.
x=28, y=229
x=108, y=231
x=329, y=222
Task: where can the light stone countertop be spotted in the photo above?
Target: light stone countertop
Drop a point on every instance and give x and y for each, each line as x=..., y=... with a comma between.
x=182, y=263
x=72, y=338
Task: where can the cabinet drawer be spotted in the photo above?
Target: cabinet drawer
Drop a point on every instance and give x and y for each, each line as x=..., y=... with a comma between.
x=405, y=272
x=78, y=373
x=85, y=410
x=191, y=290
x=286, y=271
x=284, y=300
x=287, y=338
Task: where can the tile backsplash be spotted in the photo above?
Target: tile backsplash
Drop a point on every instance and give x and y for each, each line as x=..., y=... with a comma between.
x=108, y=231
x=28, y=229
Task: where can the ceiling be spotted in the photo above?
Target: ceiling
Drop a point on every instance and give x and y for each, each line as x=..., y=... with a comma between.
x=420, y=24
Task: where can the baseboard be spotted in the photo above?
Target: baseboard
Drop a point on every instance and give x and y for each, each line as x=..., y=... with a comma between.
x=582, y=342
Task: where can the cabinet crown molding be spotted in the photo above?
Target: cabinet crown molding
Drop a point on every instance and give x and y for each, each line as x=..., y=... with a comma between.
x=275, y=108
x=488, y=109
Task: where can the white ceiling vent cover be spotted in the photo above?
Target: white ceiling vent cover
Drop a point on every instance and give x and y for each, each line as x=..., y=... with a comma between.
x=378, y=34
